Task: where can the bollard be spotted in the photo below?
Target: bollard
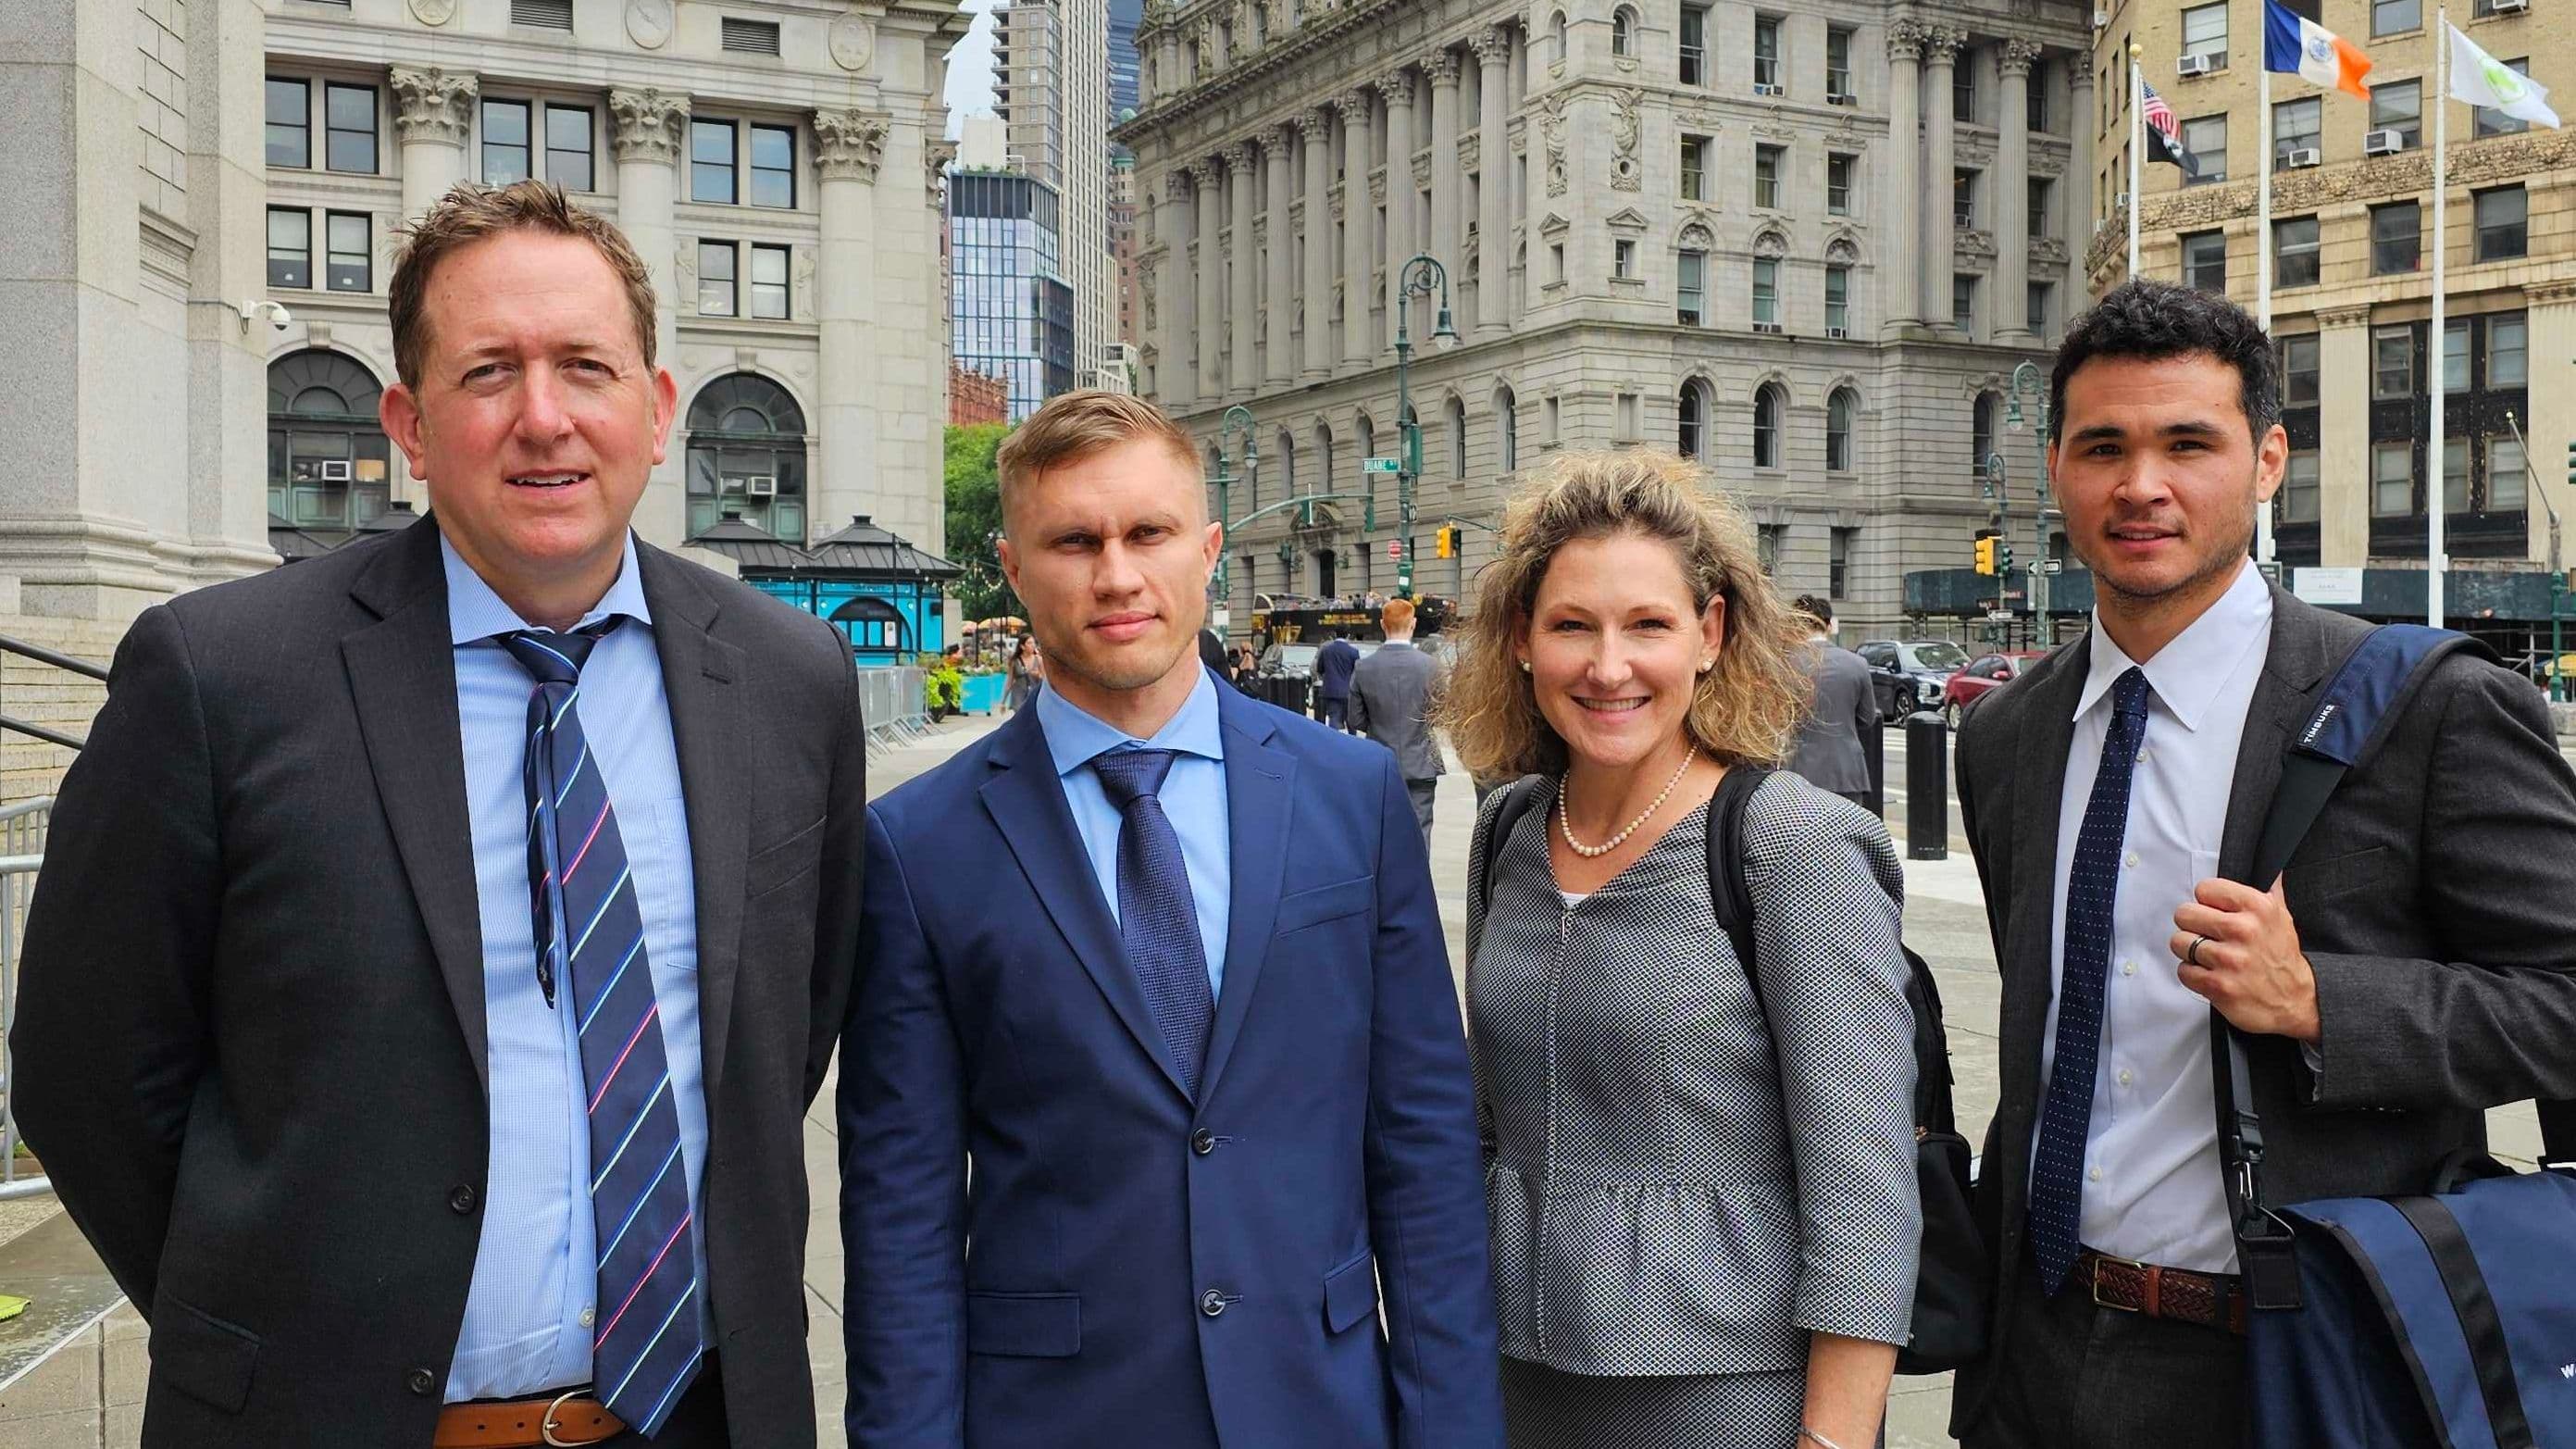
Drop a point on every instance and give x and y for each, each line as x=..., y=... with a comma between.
x=1873, y=751
x=1927, y=787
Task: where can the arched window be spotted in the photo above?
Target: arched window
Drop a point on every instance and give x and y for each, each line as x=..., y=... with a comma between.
x=1556, y=28
x=1507, y=429
x=1840, y=412
x=1623, y=31
x=1457, y=438
x=1981, y=434
x=1693, y=404
x=329, y=465
x=872, y=623
x=1324, y=480
x=1768, y=406
x=747, y=457
x=1287, y=464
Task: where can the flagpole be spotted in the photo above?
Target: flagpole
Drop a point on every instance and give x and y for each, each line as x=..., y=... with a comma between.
x=2263, y=547
x=2137, y=150
x=2437, y=504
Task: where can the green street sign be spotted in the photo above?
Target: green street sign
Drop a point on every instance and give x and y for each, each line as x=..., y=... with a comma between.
x=1381, y=465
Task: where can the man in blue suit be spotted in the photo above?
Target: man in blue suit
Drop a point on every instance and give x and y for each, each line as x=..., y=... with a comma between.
x=1158, y=970
x=1335, y=663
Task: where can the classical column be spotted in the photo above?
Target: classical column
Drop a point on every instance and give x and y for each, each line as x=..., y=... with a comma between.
x=1400, y=241
x=2079, y=179
x=1358, y=216
x=1174, y=376
x=2343, y=453
x=1242, y=367
x=1941, y=135
x=848, y=146
x=1278, y=153
x=647, y=129
x=1899, y=273
x=433, y=111
x=1210, y=274
x=2012, y=197
x=1447, y=229
x=1316, y=129
x=1494, y=188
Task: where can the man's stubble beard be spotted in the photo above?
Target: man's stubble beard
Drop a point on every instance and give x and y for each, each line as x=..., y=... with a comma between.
x=2224, y=562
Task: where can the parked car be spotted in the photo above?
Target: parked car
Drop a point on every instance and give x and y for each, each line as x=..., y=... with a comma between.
x=1910, y=674
x=1987, y=673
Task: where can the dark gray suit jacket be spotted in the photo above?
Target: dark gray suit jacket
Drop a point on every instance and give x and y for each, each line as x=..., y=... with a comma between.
x=250, y=1037
x=1828, y=751
x=1389, y=692
x=2431, y=897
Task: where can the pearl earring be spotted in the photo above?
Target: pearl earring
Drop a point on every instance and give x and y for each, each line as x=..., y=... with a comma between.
x=1706, y=665
x=1525, y=666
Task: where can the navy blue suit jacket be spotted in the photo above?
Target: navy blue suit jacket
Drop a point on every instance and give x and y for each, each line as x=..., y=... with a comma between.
x=1145, y=1270
x=1333, y=666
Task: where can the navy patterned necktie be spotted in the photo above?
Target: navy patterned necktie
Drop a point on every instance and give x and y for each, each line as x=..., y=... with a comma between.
x=645, y=1344
x=1157, y=916
x=2092, y=886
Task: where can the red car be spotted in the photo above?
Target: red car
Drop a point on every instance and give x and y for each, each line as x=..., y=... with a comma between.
x=1987, y=673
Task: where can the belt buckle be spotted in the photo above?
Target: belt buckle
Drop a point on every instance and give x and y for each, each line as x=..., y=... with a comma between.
x=2099, y=1259
x=546, y=1430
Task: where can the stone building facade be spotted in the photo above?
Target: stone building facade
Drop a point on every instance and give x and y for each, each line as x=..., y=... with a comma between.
x=1707, y=226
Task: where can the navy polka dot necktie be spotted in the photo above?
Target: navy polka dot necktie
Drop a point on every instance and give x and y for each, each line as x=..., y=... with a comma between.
x=2066, y=1116
x=1157, y=916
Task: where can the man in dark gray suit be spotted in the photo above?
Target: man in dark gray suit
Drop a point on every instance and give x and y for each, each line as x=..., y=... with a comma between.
x=1828, y=751
x=419, y=916
x=1390, y=691
x=2411, y=968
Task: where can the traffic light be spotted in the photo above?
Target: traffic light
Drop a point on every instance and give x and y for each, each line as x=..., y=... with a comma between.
x=1986, y=555
x=2003, y=557
x=1445, y=541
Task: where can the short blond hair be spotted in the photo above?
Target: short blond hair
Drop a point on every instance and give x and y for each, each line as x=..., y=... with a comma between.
x=1076, y=425
x=1745, y=711
x=469, y=213
x=1396, y=616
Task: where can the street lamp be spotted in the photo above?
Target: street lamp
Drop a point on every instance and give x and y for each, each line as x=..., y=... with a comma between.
x=2026, y=379
x=1220, y=589
x=1421, y=274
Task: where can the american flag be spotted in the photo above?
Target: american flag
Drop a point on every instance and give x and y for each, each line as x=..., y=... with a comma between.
x=2164, y=133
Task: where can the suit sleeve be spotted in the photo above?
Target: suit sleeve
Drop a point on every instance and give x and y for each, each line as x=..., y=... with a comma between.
x=845, y=832
x=2491, y=1025
x=1425, y=1176
x=903, y=1180
x=1359, y=715
x=1864, y=698
x=112, y=1039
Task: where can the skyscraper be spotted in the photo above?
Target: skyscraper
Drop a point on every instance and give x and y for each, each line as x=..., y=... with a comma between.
x=1052, y=88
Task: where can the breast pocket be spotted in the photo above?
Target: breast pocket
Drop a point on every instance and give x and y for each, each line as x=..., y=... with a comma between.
x=657, y=849
x=2311, y=884
x=1300, y=910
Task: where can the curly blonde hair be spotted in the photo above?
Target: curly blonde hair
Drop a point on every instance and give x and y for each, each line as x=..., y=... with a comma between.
x=1745, y=710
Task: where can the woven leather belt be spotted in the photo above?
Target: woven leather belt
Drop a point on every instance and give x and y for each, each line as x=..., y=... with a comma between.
x=2212, y=1300
x=567, y=1419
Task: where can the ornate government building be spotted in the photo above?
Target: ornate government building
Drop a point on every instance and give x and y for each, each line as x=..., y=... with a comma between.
x=1806, y=244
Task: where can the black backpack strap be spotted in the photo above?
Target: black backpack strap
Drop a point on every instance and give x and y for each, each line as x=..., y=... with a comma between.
x=1518, y=797
x=1727, y=889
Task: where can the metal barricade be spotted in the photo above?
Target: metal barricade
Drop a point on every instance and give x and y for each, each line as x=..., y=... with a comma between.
x=22, y=851
x=892, y=705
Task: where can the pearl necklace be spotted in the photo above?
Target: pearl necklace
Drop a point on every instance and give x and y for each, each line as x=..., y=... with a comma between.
x=1565, y=818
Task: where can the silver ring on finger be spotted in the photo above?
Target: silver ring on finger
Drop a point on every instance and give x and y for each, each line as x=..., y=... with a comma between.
x=2192, y=954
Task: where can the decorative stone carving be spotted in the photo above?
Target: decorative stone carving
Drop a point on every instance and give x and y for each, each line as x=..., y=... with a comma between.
x=849, y=144
x=935, y=159
x=1239, y=158
x=1842, y=251
x=1377, y=187
x=1442, y=66
x=648, y=124
x=1471, y=150
x=1396, y=85
x=1467, y=251
x=853, y=42
x=805, y=283
x=2331, y=318
x=1552, y=140
x=1178, y=184
x=1275, y=141
x=2538, y=294
x=1941, y=44
x=2048, y=249
x=649, y=22
x=1626, y=128
x=1339, y=206
x=1316, y=126
x=1975, y=244
x=432, y=105
x=1696, y=236
x=433, y=13
x=1421, y=170
x=1771, y=245
x=1904, y=40
x=1261, y=231
x=1354, y=106
x=2018, y=55
x=1493, y=45
x=684, y=265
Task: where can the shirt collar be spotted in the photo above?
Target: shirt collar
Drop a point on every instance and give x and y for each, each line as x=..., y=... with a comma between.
x=1074, y=738
x=2188, y=673
x=474, y=612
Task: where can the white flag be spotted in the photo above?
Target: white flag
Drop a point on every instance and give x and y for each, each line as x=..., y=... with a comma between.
x=2482, y=80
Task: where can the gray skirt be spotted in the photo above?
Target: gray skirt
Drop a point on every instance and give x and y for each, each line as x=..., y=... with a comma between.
x=1545, y=1408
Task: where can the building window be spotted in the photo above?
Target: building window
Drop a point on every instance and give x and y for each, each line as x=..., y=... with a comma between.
x=2035, y=106
x=349, y=121
x=2396, y=17
x=1627, y=419
x=2294, y=252
x=1623, y=32
x=1694, y=45
x=1963, y=301
x=349, y=257
x=1838, y=66
x=2396, y=238
x=2455, y=355
x=1963, y=198
x=1839, y=167
x=1981, y=433
x=1766, y=544
x=711, y=161
x=2392, y=480
x=2299, y=370
x=1690, y=288
x=773, y=166
x=1695, y=159
x=1457, y=439
x=2296, y=126
x=2041, y=293
x=2488, y=121
x=1838, y=301
x=568, y=148
x=2299, y=488
x=1838, y=563
x=2038, y=199
x=290, y=124
x=749, y=37
x=746, y=456
x=1766, y=176
x=1963, y=90
x=1692, y=408
x=328, y=460
x=769, y=299
x=1766, y=55
x=2455, y=475
x=2204, y=34
x=1507, y=426
x=1766, y=294
x=1839, y=416
x=2508, y=480
x=1556, y=25
x=1551, y=420
x=2392, y=363
x=1768, y=405
x=2205, y=137
x=505, y=142
x=1623, y=259
x=1556, y=264
x=2508, y=350
x=290, y=247
x=715, y=279
x=2399, y=106
x=2502, y=216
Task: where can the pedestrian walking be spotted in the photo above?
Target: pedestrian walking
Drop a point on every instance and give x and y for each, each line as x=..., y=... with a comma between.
x=1704, y=1226
x=1391, y=692
x=1027, y=671
x=1828, y=749
x=1246, y=667
x=1333, y=666
x=2409, y=969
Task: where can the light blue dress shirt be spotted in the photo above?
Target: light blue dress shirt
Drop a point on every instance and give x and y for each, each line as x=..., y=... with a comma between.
x=529, y=1311
x=1193, y=797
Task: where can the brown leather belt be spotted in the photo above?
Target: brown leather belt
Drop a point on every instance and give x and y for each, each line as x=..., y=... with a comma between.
x=2212, y=1300
x=567, y=1419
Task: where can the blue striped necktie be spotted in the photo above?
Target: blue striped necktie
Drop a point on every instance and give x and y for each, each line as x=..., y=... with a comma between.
x=1158, y=917
x=2092, y=887
x=645, y=1345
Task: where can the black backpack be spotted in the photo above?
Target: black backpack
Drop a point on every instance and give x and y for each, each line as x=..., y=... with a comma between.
x=1953, y=1283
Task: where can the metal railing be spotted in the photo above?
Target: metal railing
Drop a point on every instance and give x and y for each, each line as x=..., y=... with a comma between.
x=43, y=655
x=22, y=850
x=893, y=705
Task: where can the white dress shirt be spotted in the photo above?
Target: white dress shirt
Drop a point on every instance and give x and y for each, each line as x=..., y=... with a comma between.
x=2152, y=1188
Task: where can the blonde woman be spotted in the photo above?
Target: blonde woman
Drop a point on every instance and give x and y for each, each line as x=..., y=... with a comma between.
x=1704, y=1220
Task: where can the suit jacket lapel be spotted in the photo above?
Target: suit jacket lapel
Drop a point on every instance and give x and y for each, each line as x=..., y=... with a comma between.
x=2292, y=668
x=701, y=677
x=402, y=677
x=1027, y=803
x=1260, y=801
x=2047, y=734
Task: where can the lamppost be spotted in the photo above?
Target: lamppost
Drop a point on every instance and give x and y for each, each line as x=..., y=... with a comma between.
x=1421, y=273
x=1220, y=590
x=2026, y=379
x=1999, y=506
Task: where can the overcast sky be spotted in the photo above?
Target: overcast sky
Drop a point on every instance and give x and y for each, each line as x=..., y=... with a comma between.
x=970, y=65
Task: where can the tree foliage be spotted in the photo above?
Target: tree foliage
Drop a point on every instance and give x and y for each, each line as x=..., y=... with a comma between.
x=975, y=520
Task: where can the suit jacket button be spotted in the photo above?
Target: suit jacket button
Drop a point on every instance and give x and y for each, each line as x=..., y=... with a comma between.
x=1212, y=1303
x=1203, y=1142
x=422, y=1381
x=462, y=1199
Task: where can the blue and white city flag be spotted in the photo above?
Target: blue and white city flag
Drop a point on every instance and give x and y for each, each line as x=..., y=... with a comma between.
x=2482, y=80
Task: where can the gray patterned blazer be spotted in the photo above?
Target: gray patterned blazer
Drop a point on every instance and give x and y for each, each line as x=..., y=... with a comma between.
x=1647, y=1216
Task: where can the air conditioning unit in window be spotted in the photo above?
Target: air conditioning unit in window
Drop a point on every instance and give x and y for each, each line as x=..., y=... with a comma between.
x=1765, y=90
x=1838, y=334
x=2191, y=65
x=1771, y=327
x=2304, y=156
x=2386, y=141
x=760, y=487
x=2508, y=7
x=335, y=470
x=1841, y=98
